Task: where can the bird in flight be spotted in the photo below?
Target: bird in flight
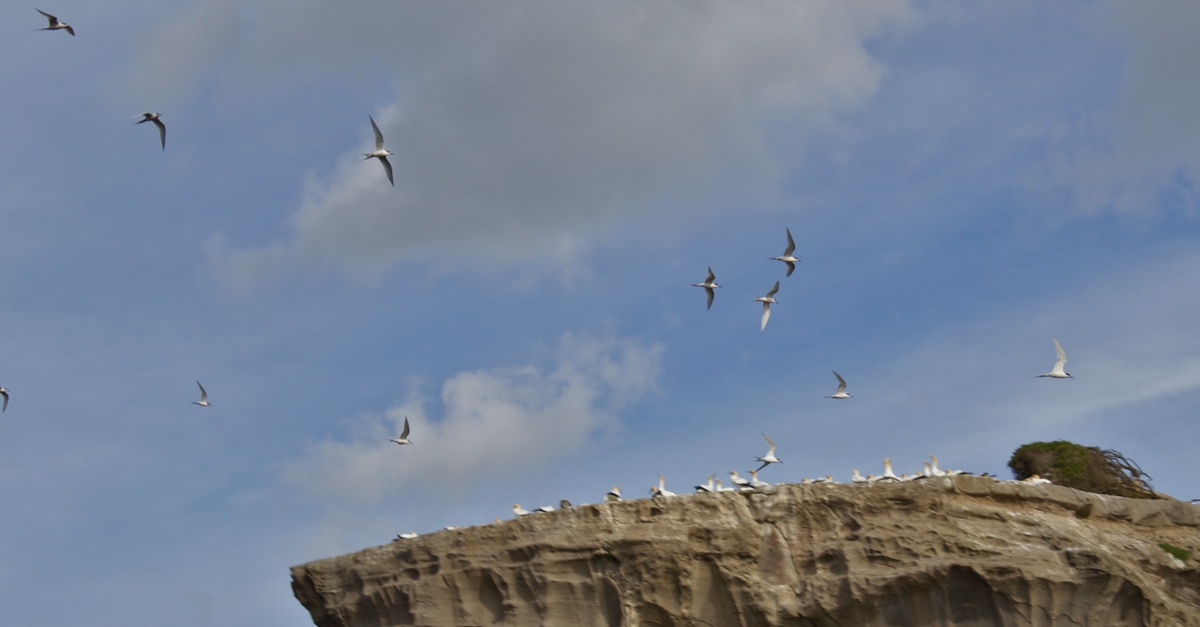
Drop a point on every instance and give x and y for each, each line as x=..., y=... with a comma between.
x=787, y=254
x=769, y=458
x=4, y=393
x=403, y=439
x=841, y=393
x=55, y=24
x=203, y=402
x=709, y=286
x=162, y=128
x=1058, y=372
x=380, y=153
x=766, y=301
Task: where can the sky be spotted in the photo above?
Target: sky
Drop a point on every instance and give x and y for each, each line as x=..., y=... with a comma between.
x=964, y=181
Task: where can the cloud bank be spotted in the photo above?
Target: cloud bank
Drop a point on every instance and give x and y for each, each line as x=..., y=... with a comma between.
x=497, y=424
x=520, y=125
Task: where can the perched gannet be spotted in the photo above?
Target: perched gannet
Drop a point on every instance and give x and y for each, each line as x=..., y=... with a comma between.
x=738, y=481
x=498, y=521
x=403, y=439
x=933, y=469
x=407, y=536
x=857, y=478
x=54, y=23
x=520, y=511
x=1037, y=479
x=707, y=487
x=162, y=128
x=709, y=286
x=787, y=254
x=4, y=393
x=720, y=488
x=766, y=301
x=203, y=402
x=543, y=509
x=841, y=393
x=450, y=528
x=661, y=489
x=1058, y=372
x=755, y=483
x=380, y=153
x=613, y=494
x=887, y=475
x=825, y=479
x=769, y=458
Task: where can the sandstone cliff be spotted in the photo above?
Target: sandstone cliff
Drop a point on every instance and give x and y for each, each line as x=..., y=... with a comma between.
x=962, y=551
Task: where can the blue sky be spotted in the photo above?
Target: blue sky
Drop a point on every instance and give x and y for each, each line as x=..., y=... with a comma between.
x=964, y=181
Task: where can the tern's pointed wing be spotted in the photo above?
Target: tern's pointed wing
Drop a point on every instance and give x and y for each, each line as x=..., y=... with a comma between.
x=841, y=382
x=53, y=20
x=766, y=315
x=771, y=443
x=387, y=167
x=774, y=289
x=70, y=30
x=1062, y=357
x=791, y=268
x=162, y=131
x=203, y=394
x=711, y=293
x=5, y=402
x=791, y=245
x=711, y=277
x=404, y=433
x=378, y=135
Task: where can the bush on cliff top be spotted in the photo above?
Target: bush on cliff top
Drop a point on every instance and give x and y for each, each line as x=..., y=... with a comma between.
x=1083, y=468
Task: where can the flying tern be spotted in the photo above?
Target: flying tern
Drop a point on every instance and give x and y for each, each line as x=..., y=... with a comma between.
x=709, y=286
x=787, y=254
x=841, y=393
x=203, y=402
x=380, y=153
x=1058, y=372
x=162, y=128
x=4, y=393
x=55, y=24
x=769, y=458
x=766, y=301
x=403, y=439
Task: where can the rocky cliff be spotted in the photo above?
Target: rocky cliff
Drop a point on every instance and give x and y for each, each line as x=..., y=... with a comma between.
x=962, y=551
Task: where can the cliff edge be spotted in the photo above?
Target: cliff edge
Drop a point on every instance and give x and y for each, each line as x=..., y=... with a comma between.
x=962, y=551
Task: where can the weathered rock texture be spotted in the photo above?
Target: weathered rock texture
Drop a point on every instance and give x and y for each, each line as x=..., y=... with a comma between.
x=967, y=551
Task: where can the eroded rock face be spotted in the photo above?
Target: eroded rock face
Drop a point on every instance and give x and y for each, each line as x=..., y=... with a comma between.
x=963, y=551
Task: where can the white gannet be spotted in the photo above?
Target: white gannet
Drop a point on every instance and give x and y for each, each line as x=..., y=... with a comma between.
x=203, y=402
x=403, y=439
x=709, y=286
x=1037, y=479
x=54, y=23
x=661, y=489
x=933, y=469
x=543, y=509
x=707, y=487
x=4, y=393
x=887, y=475
x=1058, y=372
x=162, y=128
x=825, y=479
x=841, y=392
x=755, y=483
x=407, y=536
x=613, y=494
x=720, y=488
x=787, y=254
x=769, y=458
x=738, y=481
x=520, y=511
x=380, y=153
x=766, y=301
x=857, y=478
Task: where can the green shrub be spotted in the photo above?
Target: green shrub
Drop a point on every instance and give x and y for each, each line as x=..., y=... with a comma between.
x=1182, y=555
x=1083, y=468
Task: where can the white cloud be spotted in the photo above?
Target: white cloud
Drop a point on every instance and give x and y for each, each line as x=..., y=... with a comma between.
x=497, y=424
x=521, y=125
x=1144, y=155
